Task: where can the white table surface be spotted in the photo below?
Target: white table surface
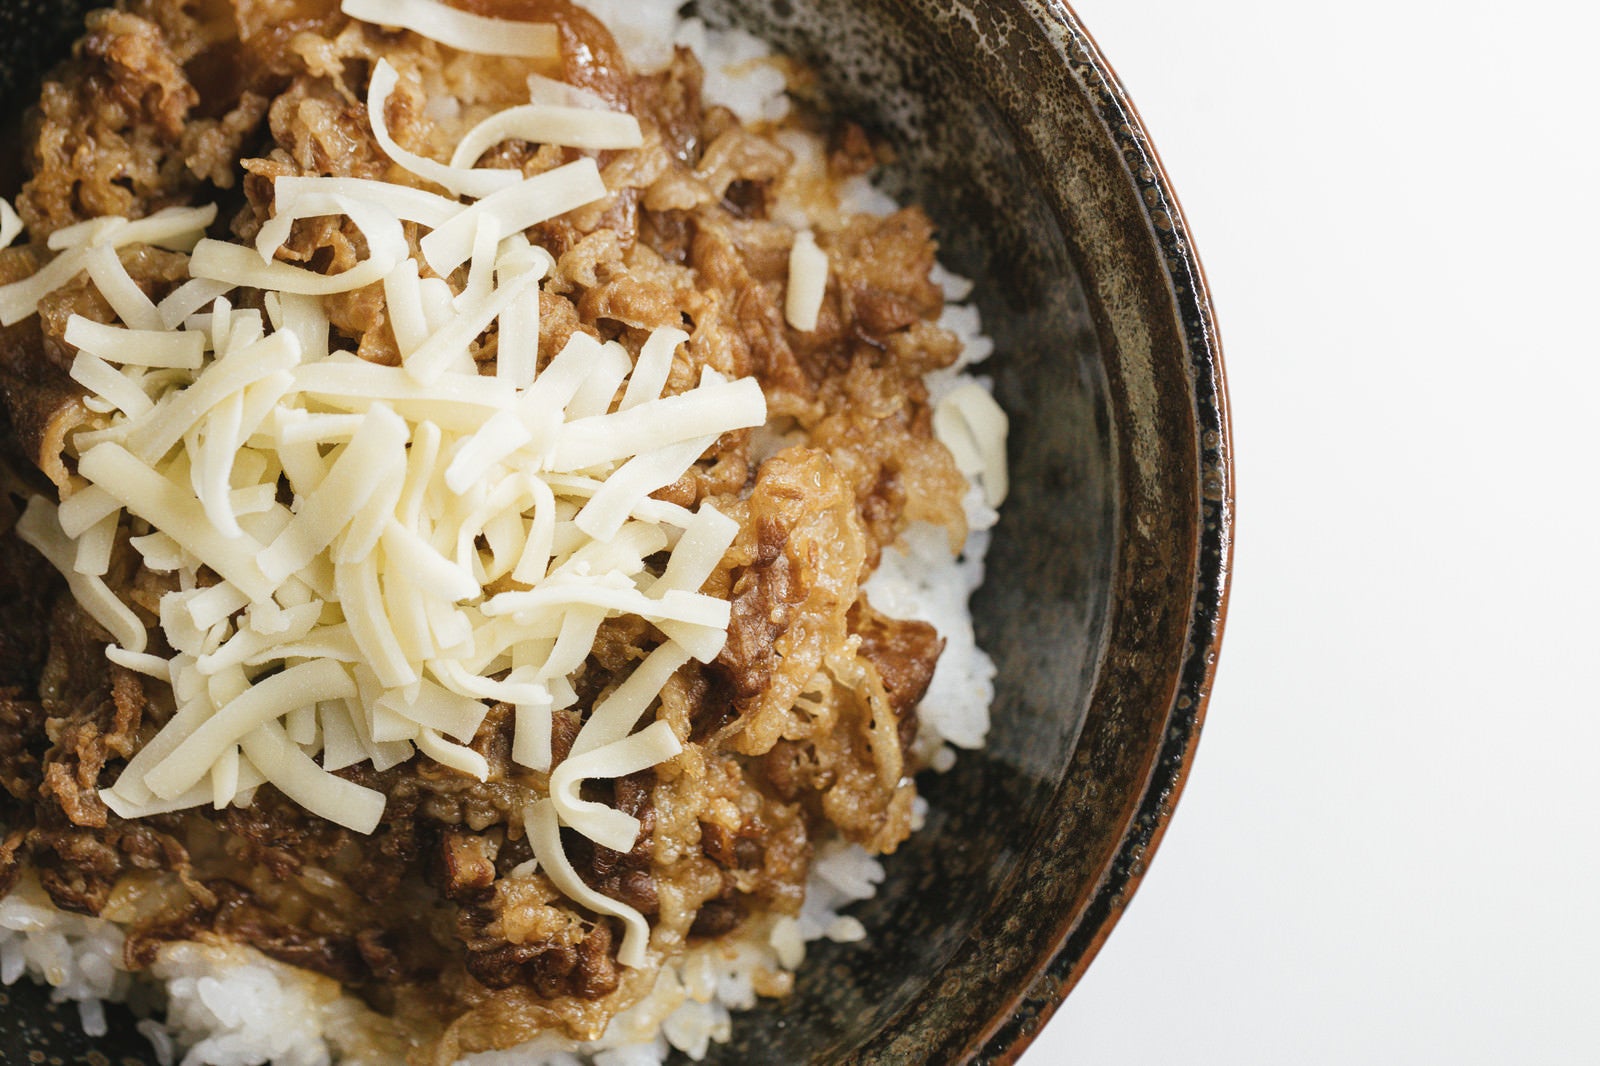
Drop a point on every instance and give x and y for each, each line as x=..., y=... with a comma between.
x=1388, y=851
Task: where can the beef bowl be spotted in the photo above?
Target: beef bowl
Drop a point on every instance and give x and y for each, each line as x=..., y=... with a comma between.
x=1106, y=579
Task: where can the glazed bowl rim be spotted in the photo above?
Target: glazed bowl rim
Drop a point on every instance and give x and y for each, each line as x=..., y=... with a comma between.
x=1074, y=941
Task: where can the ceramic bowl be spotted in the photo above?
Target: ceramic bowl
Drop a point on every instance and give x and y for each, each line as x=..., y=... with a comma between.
x=1108, y=578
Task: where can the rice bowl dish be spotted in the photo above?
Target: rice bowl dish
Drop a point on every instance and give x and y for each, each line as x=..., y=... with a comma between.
x=771, y=194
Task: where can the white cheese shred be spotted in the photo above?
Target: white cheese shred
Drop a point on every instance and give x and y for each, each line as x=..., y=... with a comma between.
x=460, y=29
x=173, y=507
x=808, y=282
x=544, y=835
x=568, y=127
x=20, y=299
x=10, y=224
x=973, y=427
x=265, y=701
x=528, y=203
x=173, y=228
x=605, y=825
x=302, y=780
x=125, y=297
x=38, y=526
x=613, y=718
x=463, y=181
x=157, y=347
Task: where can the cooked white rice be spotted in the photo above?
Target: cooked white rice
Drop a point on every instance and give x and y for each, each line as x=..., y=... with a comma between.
x=235, y=1007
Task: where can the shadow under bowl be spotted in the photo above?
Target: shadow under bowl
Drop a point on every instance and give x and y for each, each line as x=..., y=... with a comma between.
x=1107, y=580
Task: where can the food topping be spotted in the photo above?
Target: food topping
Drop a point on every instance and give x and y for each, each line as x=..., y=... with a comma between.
x=461, y=29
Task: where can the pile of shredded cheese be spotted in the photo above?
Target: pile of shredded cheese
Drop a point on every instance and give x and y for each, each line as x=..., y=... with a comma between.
x=365, y=556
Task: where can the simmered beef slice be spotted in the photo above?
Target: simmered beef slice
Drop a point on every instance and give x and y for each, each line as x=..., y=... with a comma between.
x=905, y=653
x=28, y=586
x=108, y=127
x=95, y=709
x=236, y=914
x=527, y=937
x=762, y=853
x=795, y=570
x=22, y=743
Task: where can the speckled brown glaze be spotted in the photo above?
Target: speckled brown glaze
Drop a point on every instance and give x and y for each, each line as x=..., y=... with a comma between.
x=1108, y=576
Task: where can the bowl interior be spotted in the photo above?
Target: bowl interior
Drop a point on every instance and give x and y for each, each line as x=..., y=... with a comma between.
x=1010, y=132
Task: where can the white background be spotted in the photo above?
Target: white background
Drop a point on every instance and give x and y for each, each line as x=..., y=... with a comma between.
x=1388, y=851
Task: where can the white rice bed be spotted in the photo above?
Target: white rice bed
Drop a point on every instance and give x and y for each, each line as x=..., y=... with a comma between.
x=236, y=1007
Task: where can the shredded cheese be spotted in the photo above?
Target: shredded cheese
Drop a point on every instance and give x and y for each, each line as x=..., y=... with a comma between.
x=38, y=526
x=461, y=180
x=265, y=701
x=614, y=718
x=21, y=299
x=714, y=408
x=174, y=228
x=285, y=765
x=972, y=425
x=605, y=825
x=366, y=556
x=170, y=506
x=126, y=298
x=136, y=347
x=569, y=127
x=295, y=198
x=461, y=29
x=808, y=282
x=543, y=825
x=522, y=206
x=237, y=265
x=10, y=224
